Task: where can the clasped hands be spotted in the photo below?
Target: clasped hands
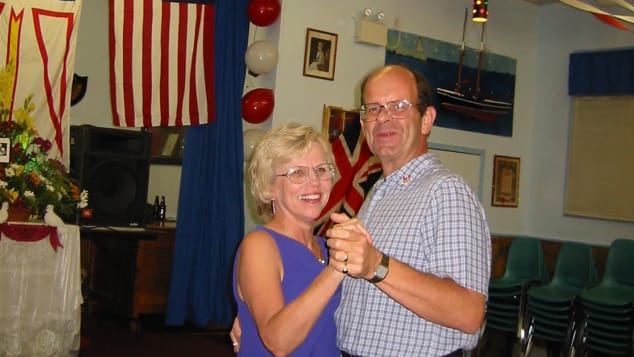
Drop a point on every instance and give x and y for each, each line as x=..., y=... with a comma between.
x=350, y=247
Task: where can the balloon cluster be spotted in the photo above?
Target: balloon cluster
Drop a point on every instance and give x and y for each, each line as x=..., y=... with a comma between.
x=260, y=58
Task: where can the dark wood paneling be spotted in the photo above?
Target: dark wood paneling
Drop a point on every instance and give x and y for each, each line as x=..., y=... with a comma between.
x=500, y=247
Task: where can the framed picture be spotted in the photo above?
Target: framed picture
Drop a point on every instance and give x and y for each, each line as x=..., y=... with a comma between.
x=167, y=145
x=506, y=181
x=336, y=120
x=320, y=54
x=5, y=145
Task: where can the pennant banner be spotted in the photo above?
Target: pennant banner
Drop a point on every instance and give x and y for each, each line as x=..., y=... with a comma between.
x=39, y=38
x=161, y=62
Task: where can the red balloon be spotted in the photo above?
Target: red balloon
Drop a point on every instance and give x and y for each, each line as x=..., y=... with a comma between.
x=263, y=12
x=257, y=105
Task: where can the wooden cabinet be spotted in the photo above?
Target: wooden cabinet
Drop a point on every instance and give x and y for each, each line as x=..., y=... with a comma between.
x=128, y=271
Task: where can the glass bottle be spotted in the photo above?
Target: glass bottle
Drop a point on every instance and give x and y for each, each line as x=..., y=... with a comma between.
x=156, y=209
x=162, y=209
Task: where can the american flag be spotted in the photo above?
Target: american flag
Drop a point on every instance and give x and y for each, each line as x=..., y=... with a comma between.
x=358, y=170
x=162, y=62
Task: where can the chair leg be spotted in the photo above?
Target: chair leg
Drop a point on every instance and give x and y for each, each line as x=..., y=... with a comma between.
x=575, y=337
x=577, y=347
x=527, y=345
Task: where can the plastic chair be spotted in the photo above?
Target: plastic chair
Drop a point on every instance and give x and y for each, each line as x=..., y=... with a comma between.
x=524, y=263
x=550, y=307
x=605, y=317
x=525, y=266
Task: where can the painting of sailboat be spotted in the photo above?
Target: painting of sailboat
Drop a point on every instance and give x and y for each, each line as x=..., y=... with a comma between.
x=473, y=88
x=470, y=101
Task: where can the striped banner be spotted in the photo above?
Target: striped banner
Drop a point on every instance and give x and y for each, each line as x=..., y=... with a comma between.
x=161, y=62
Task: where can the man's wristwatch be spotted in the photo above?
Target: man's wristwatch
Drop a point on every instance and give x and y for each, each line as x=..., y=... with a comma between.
x=381, y=270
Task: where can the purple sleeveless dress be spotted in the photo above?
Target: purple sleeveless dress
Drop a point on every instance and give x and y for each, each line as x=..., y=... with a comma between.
x=300, y=269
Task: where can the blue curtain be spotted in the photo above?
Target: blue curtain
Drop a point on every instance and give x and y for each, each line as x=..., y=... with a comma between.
x=601, y=73
x=210, y=208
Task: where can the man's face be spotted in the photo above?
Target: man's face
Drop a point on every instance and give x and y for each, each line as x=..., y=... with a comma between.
x=395, y=141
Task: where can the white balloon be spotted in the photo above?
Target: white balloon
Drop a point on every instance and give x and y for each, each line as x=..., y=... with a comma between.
x=261, y=57
x=250, y=139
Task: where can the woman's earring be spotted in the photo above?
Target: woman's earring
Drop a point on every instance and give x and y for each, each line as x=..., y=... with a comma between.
x=273, y=207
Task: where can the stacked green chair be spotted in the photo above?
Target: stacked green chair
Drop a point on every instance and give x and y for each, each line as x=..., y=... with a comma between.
x=606, y=318
x=550, y=307
x=525, y=267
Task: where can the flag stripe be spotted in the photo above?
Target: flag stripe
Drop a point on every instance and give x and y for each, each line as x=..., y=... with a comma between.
x=146, y=75
x=128, y=91
x=193, y=100
x=165, y=72
x=160, y=63
x=208, y=62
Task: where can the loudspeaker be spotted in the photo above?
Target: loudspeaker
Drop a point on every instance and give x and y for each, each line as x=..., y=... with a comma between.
x=113, y=165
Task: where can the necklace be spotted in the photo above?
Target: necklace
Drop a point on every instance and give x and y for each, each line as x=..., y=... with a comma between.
x=320, y=257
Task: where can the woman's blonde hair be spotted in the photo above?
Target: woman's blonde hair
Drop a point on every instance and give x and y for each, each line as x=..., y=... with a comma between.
x=277, y=147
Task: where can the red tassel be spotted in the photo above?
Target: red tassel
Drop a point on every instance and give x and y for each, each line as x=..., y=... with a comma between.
x=612, y=21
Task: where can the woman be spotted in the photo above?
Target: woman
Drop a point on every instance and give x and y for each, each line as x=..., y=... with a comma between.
x=320, y=60
x=285, y=291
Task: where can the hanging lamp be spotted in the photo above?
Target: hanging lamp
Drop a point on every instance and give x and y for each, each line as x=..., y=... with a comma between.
x=480, y=10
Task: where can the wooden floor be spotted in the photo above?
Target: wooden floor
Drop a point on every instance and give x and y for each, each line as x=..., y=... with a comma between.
x=105, y=335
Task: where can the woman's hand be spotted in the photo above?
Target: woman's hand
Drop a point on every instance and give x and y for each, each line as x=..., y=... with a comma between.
x=235, y=333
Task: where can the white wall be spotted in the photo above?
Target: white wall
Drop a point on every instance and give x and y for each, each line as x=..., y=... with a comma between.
x=579, y=32
x=539, y=38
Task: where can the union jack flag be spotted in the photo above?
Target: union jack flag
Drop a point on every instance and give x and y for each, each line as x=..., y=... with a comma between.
x=162, y=62
x=358, y=170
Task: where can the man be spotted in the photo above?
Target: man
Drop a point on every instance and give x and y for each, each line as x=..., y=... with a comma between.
x=420, y=248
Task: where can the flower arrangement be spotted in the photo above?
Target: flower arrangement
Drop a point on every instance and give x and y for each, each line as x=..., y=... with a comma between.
x=30, y=178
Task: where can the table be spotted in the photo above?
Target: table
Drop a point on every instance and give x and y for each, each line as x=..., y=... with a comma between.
x=40, y=290
x=129, y=269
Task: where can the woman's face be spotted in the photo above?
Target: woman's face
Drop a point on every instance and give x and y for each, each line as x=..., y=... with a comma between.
x=302, y=201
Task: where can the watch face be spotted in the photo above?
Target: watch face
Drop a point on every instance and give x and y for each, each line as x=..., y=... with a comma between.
x=381, y=271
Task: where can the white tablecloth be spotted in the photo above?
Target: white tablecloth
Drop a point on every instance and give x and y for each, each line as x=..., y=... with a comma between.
x=40, y=294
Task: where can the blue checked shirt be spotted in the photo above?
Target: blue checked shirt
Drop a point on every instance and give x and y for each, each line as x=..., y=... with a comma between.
x=427, y=217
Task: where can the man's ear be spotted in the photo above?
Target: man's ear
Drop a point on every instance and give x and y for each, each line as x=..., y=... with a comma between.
x=428, y=120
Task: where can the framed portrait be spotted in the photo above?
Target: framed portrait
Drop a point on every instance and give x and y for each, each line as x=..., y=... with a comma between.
x=320, y=54
x=167, y=145
x=5, y=149
x=506, y=181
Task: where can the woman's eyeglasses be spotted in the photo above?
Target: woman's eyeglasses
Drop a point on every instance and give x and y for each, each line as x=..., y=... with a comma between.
x=299, y=174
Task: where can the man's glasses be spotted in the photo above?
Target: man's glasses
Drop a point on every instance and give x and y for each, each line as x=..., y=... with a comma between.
x=299, y=174
x=397, y=109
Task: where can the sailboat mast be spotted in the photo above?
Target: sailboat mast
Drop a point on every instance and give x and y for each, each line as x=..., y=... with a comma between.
x=477, y=89
x=462, y=48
